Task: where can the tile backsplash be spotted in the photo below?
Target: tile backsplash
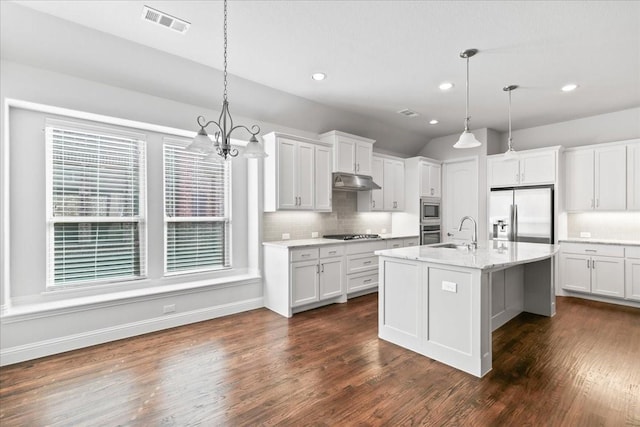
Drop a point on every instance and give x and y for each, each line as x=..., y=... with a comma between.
x=345, y=218
x=605, y=225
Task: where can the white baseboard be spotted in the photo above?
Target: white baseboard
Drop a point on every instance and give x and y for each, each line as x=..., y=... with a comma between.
x=35, y=350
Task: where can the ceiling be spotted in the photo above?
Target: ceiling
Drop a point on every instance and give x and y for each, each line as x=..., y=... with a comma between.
x=384, y=56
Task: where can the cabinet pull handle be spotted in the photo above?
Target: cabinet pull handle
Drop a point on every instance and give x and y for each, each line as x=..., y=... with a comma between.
x=367, y=262
x=358, y=169
x=367, y=281
x=593, y=264
x=332, y=252
x=305, y=255
x=588, y=266
x=597, y=202
x=322, y=268
x=317, y=269
x=432, y=191
x=373, y=203
x=590, y=250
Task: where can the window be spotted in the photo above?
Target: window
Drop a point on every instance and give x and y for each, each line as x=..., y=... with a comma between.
x=95, y=204
x=197, y=214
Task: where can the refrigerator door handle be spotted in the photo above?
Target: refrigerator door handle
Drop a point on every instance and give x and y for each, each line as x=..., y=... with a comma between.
x=511, y=234
x=514, y=223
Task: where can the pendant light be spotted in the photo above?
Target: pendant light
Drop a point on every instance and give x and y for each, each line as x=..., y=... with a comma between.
x=221, y=145
x=510, y=151
x=467, y=139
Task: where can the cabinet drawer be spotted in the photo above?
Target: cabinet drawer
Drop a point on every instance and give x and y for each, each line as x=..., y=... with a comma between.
x=394, y=243
x=331, y=251
x=359, y=263
x=365, y=247
x=362, y=281
x=591, y=249
x=414, y=241
x=632, y=251
x=304, y=254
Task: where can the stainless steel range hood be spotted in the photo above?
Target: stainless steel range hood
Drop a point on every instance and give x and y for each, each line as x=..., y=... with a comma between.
x=351, y=182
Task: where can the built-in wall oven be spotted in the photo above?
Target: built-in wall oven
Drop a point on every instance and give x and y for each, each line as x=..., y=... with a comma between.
x=430, y=233
x=429, y=209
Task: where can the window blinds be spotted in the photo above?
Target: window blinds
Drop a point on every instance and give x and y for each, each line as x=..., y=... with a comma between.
x=96, y=206
x=196, y=210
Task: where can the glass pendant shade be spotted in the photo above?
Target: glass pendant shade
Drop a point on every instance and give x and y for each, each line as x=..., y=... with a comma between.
x=201, y=143
x=467, y=140
x=254, y=150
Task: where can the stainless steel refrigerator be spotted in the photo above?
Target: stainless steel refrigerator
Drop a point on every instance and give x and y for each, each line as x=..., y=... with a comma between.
x=521, y=214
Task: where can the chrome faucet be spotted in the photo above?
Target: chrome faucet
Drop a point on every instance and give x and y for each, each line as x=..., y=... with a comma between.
x=474, y=237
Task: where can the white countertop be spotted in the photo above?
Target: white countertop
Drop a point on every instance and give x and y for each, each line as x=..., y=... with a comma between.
x=491, y=255
x=617, y=242
x=322, y=241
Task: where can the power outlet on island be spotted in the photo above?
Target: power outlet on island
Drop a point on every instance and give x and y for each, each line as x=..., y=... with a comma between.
x=449, y=286
x=169, y=308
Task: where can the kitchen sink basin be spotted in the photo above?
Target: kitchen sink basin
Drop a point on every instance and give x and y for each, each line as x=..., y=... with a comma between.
x=448, y=245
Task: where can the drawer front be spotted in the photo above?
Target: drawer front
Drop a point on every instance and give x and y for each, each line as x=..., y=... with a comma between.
x=331, y=251
x=414, y=241
x=365, y=247
x=304, y=254
x=632, y=251
x=395, y=243
x=591, y=249
x=359, y=263
x=362, y=281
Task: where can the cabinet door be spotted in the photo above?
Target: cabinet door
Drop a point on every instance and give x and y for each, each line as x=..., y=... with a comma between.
x=323, y=179
x=435, y=174
x=504, y=172
x=305, y=175
x=389, y=186
x=633, y=177
x=331, y=277
x=632, y=280
x=287, y=169
x=424, y=169
x=304, y=282
x=611, y=178
x=607, y=276
x=575, y=272
x=579, y=180
x=344, y=155
x=398, y=170
x=364, y=152
x=377, y=173
x=538, y=169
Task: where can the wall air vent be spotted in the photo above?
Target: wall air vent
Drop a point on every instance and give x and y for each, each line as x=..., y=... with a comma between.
x=157, y=17
x=408, y=113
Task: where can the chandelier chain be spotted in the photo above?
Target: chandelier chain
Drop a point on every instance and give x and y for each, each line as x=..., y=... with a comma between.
x=225, y=50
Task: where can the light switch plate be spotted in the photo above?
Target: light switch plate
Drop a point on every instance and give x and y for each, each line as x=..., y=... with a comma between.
x=449, y=286
x=585, y=234
x=286, y=236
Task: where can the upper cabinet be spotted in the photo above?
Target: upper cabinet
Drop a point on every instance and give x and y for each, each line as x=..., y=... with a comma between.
x=530, y=167
x=351, y=153
x=430, y=179
x=297, y=174
x=388, y=172
x=596, y=178
x=633, y=176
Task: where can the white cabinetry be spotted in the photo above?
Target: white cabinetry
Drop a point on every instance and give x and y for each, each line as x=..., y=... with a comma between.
x=393, y=186
x=596, y=178
x=632, y=274
x=351, y=153
x=370, y=201
x=362, y=266
x=591, y=268
x=633, y=176
x=530, y=167
x=297, y=174
x=430, y=175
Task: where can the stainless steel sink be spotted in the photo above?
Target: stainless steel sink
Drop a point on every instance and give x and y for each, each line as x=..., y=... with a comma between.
x=448, y=245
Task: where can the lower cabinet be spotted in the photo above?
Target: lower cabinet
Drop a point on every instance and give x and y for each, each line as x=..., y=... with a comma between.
x=362, y=266
x=600, y=270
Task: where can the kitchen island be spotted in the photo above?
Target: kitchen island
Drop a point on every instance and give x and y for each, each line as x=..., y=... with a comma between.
x=444, y=303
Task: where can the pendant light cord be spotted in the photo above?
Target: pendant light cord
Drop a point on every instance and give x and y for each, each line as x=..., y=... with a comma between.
x=466, y=119
x=510, y=120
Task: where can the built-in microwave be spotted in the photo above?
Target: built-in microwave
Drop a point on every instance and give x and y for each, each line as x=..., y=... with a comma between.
x=429, y=209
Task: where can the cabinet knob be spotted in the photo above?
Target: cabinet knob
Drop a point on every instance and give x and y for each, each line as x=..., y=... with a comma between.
x=373, y=203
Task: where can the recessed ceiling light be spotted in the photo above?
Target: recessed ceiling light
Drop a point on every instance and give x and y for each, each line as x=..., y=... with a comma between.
x=445, y=86
x=569, y=87
x=318, y=76
x=433, y=122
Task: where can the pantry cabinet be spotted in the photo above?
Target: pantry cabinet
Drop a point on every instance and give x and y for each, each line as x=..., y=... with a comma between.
x=351, y=153
x=530, y=167
x=596, y=178
x=297, y=174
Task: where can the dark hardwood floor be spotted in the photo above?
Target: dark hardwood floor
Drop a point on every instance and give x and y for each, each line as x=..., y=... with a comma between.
x=327, y=367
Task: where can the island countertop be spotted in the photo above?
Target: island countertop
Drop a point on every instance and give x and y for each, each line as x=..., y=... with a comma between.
x=493, y=254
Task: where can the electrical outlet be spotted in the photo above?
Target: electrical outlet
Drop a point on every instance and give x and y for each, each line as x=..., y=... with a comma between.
x=585, y=234
x=449, y=286
x=314, y=234
x=384, y=230
x=169, y=308
x=368, y=231
x=286, y=236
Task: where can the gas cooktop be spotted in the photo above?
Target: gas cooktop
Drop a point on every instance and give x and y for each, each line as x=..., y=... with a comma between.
x=351, y=236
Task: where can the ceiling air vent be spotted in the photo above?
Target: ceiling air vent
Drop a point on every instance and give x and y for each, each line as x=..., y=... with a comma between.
x=154, y=15
x=408, y=113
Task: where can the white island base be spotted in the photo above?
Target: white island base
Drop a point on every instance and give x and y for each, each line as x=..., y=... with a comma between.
x=445, y=303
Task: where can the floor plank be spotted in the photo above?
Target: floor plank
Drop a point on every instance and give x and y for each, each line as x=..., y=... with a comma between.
x=327, y=367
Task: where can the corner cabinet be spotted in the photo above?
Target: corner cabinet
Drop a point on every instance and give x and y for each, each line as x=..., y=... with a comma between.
x=530, y=167
x=297, y=174
x=351, y=153
x=388, y=172
x=597, y=178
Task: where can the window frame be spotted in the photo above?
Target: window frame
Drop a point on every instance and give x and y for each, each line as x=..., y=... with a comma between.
x=141, y=219
x=227, y=218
